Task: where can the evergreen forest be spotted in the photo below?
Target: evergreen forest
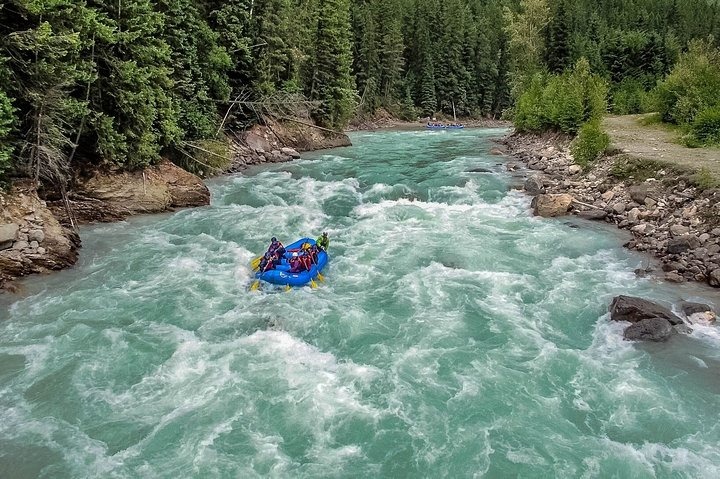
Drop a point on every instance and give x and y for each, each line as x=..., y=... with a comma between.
x=122, y=83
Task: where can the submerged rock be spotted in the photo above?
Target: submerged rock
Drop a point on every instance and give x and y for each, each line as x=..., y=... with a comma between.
x=595, y=215
x=650, y=329
x=632, y=309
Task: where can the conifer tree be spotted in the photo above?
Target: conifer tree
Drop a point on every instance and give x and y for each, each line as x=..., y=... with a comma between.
x=231, y=21
x=199, y=68
x=7, y=122
x=332, y=82
x=558, y=51
x=134, y=115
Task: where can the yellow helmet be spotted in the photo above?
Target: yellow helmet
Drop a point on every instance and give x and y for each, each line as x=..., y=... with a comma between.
x=306, y=246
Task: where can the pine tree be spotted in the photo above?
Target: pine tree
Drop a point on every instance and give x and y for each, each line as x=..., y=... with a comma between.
x=558, y=51
x=332, y=83
x=199, y=68
x=391, y=49
x=45, y=67
x=7, y=122
x=134, y=115
x=366, y=62
x=231, y=21
x=272, y=55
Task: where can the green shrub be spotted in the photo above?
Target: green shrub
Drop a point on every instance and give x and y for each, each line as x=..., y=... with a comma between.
x=704, y=179
x=693, y=85
x=628, y=97
x=590, y=143
x=529, y=106
x=561, y=102
x=706, y=127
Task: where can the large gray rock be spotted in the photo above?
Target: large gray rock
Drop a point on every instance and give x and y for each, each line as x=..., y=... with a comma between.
x=690, y=308
x=650, y=329
x=683, y=244
x=534, y=185
x=7, y=235
x=679, y=230
x=632, y=309
x=639, y=193
x=291, y=152
x=714, y=278
x=36, y=235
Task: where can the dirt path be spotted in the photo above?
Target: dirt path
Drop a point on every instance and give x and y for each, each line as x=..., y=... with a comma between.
x=655, y=142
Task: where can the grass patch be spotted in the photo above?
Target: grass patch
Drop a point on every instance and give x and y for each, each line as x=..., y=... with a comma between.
x=704, y=180
x=651, y=119
x=638, y=170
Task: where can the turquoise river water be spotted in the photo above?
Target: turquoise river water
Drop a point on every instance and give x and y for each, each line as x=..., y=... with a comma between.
x=456, y=336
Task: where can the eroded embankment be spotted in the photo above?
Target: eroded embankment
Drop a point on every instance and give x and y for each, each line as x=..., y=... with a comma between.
x=668, y=212
x=38, y=233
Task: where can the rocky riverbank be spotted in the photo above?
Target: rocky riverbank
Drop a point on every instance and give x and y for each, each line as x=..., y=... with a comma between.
x=32, y=240
x=276, y=142
x=668, y=214
x=39, y=235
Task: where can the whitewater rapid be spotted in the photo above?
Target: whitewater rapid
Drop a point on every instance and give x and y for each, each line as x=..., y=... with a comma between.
x=455, y=336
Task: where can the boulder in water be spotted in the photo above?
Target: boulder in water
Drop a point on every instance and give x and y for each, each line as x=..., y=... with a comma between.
x=629, y=308
x=549, y=206
x=650, y=329
x=690, y=308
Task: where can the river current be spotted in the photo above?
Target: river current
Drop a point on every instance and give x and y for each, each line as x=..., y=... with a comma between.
x=455, y=336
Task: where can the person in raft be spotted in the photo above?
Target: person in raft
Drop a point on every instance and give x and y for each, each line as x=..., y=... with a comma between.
x=275, y=245
x=323, y=241
x=267, y=263
x=297, y=265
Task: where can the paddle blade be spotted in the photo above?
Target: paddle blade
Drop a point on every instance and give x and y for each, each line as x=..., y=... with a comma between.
x=256, y=262
x=321, y=277
x=255, y=285
x=313, y=284
x=287, y=287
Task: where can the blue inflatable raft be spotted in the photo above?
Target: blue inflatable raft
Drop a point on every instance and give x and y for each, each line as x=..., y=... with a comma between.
x=444, y=127
x=280, y=274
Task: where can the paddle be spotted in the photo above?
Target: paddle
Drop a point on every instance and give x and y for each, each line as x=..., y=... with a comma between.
x=255, y=264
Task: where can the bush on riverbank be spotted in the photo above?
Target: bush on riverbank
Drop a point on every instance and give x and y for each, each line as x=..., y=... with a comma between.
x=590, y=143
x=690, y=97
x=561, y=102
x=706, y=127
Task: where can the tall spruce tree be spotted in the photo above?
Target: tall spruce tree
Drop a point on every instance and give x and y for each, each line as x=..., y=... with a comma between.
x=134, y=115
x=199, y=68
x=332, y=82
x=7, y=122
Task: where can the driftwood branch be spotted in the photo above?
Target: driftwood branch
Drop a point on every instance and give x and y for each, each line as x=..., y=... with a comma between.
x=587, y=205
x=311, y=125
x=208, y=152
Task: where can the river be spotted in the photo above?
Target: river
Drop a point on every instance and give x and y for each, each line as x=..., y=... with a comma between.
x=455, y=336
